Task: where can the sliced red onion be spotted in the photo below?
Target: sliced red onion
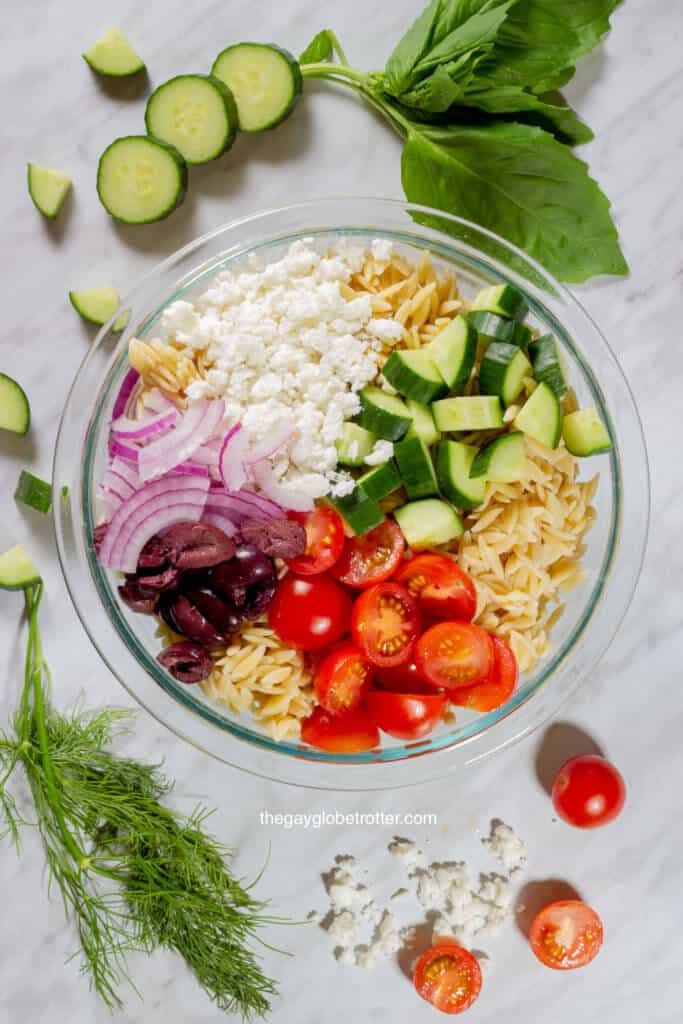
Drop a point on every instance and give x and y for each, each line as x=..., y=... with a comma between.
x=113, y=484
x=157, y=401
x=232, y=457
x=285, y=496
x=126, y=471
x=191, y=469
x=200, y=422
x=279, y=435
x=258, y=503
x=216, y=517
x=119, y=450
x=127, y=387
x=232, y=506
x=126, y=429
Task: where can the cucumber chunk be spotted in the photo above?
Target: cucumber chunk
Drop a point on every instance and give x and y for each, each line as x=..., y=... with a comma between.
x=15, y=412
x=585, y=434
x=17, y=571
x=490, y=327
x=453, y=463
x=503, y=460
x=112, y=55
x=547, y=363
x=473, y=412
x=454, y=350
x=34, y=492
x=48, y=189
x=359, y=511
x=265, y=81
x=414, y=375
x=97, y=305
x=502, y=371
x=429, y=522
x=422, y=425
x=380, y=481
x=416, y=468
x=383, y=414
x=196, y=114
x=503, y=300
x=354, y=444
x=541, y=417
x=140, y=180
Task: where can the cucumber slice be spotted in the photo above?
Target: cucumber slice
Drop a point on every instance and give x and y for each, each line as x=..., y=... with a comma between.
x=416, y=468
x=422, y=425
x=503, y=300
x=380, y=481
x=265, y=81
x=359, y=511
x=140, y=180
x=97, y=305
x=48, y=189
x=354, y=444
x=541, y=417
x=502, y=371
x=112, y=55
x=196, y=114
x=453, y=463
x=503, y=460
x=414, y=374
x=34, y=492
x=547, y=363
x=429, y=522
x=17, y=571
x=383, y=414
x=490, y=327
x=585, y=434
x=15, y=412
x=473, y=412
x=454, y=351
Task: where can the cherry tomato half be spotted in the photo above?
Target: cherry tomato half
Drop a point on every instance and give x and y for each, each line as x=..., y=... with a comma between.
x=440, y=587
x=454, y=654
x=385, y=624
x=499, y=686
x=407, y=716
x=588, y=791
x=448, y=977
x=324, y=540
x=341, y=679
x=405, y=678
x=566, y=934
x=340, y=734
x=309, y=612
x=372, y=558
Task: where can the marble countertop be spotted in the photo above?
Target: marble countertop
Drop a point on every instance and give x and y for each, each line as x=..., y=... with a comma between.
x=53, y=111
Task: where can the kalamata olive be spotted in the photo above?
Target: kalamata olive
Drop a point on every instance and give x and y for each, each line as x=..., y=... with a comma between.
x=164, y=579
x=249, y=568
x=197, y=545
x=98, y=536
x=165, y=610
x=155, y=555
x=136, y=598
x=218, y=611
x=187, y=662
x=258, y=599
x=278, y=537
x=191, y=623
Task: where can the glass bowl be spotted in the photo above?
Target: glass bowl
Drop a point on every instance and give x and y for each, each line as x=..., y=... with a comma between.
x=615, y=544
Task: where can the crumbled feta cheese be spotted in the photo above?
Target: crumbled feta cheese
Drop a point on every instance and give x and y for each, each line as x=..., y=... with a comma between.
x=506, y=846
x=313, y=915
x=345, y=955
x=381, y=249
x=342, y=928
x=365, y=957
x=386, y=940
x=382, y=451
x=407, y=852
x=345, y=862
x=386, y=329
x=398, y=893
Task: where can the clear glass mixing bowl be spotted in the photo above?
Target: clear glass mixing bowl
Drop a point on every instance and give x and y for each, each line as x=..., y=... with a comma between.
x=615, y=544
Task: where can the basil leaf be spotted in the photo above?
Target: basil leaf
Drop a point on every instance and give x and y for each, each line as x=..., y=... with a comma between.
x=528, y=108
x=520, y=182
x=320, y=48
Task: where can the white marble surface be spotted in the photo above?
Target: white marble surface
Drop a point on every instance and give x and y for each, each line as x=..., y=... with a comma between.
x=631, y=92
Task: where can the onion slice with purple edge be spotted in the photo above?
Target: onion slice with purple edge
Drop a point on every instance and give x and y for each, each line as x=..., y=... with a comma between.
x=118, y=450
x=232, y=457
x=128, y=385
x=157, y=401
x=126, y=429
x=200, y=422
x=280, y=435
x=191, y=469
x=285, y=496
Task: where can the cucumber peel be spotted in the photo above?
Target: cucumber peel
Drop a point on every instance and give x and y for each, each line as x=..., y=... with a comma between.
x=17, y=571
x=48, y=189
x=34, y=492
x=113, y=56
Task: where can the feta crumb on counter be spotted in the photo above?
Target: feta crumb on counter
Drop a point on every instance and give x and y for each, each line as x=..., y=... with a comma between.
x=406, y=852
x=506, y=846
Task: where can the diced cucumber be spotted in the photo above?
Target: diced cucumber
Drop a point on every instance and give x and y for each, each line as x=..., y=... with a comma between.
x=429, y=522
x=503, y=300
x=17, y=571
x=472, y=412
x=360, y=511
x=502, y=371
x=541, y=417
x=546, y=360
x=112, y=55
x=453, y=462
x=422, y=425
x=265, y=81
x=354, y=444
x=98, y=305
x=34, y=492
x=454, y=350
x=503, y=460
x=490, y=327
x=383, y=414
x=414, y=374
x=196, y=114
x=380, y=481
x=416, y=468
x=15, y=412
x=48, y=189
x=140, y=180
x=585, y=434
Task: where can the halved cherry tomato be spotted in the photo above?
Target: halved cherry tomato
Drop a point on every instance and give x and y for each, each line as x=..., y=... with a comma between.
x=405, y=678
x=499, y=686
x=370, y=559
x=385, y=624
x=340, y=734
x=448, y=977
x=309, y=612
x=454, y=654
x=588, y=791
x=566, y=934
x=407, y=716
x=324, y=540
x=341, y=679
x=440, y=587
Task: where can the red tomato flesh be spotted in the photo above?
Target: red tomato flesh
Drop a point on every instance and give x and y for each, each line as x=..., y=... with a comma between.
x=324, y=540
x=372, y=558
x=439, y=586
x=407, y=716
x=566, y=935
x=454, y=654
x=405, y=678
x=499, y=686
x=309, y=612
x=342, y=677
x=340, y=734
x=448, y=977
x=385, y=624
x=588, y=791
